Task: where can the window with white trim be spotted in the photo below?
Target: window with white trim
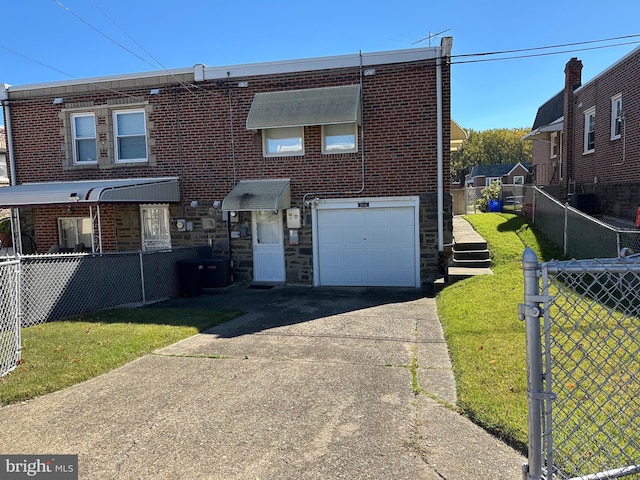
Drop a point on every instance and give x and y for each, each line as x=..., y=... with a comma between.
x=281, y=142
x=4, y=177
x=490, y=180
x=156, y=234
x=83, y=130
x=616, y=116
x=518, y=179
x=130, y=136
x=75, y=231
x=339, y=138
x=590, y=130
x=554, y=144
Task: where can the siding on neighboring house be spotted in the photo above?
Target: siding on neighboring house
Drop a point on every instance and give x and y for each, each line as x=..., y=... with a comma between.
x=196, y=131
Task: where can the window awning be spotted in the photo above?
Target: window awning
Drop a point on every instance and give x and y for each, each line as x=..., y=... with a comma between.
x=131, y=190
x=249, y=195
x=314, y=106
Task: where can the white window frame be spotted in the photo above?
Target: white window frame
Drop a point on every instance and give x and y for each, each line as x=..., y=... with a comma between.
x=155, y=229
x=589, y=130
x=80, y=224
x=489, y=181
x=117, y=136
x=553, y=140
x=275, y=140
x=77, y=139
x=343, y=130
x=518, y=179
x=616, y=117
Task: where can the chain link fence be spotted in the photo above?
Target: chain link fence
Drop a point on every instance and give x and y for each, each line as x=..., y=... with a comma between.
x=581, y=236
x=41, y=288
x=9, y=316
x=582, y=321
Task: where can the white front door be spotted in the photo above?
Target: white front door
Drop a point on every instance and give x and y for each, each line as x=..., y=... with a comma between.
x=268, y=246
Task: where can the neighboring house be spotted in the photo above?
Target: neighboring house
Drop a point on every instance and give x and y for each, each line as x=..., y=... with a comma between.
x=592, y=164
x=4, y=174
x=503, y=173
x=547, y=142
x=326, y=171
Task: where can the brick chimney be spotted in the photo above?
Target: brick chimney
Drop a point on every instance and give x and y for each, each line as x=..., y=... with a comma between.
x=572, y=80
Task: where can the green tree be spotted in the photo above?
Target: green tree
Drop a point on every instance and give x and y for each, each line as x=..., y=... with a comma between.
x=502, y=145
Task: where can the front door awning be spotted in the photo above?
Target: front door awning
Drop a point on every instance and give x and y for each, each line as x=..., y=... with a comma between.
x=131, y=190
x=299, y=108
x=252, y=195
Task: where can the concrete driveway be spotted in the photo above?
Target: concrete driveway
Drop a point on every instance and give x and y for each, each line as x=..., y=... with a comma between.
x=308, y=384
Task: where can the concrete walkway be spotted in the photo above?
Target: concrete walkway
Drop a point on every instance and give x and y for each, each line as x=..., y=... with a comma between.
x=308, y=384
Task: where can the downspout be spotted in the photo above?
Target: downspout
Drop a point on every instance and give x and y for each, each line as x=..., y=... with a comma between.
x=444, y=51
x=15, y=213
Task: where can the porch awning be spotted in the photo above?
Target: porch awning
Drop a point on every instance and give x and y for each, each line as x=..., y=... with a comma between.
x=249, y=195
x=296, y=108
x=540, y=131
x=130, y=190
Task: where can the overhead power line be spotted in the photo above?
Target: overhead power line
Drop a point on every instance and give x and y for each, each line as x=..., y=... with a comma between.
x=548, y=47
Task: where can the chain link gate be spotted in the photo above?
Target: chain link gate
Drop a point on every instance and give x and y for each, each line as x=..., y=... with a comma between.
x=9, y=316
x=583, y=368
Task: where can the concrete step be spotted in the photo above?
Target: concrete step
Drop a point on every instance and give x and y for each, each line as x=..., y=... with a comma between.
x=478, y=244
x=471, y=254
x=486, y=263
x=460, y=273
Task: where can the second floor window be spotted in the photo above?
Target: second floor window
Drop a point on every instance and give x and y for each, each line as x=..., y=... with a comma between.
x=554, y=145
x=590, y=130
x=616, y=117
x=278, y=142
x=84, y=138
x=339, y=138
x=130, y=136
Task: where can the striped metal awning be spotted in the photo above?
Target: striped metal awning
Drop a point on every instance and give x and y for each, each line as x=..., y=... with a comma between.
x=314, y=106
x=130, y=190
x=253, y=195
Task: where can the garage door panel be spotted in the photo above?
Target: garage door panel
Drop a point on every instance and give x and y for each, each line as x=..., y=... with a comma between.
x=367, y=246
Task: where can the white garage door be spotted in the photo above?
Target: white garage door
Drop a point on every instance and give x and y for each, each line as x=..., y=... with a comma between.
x=373, y=246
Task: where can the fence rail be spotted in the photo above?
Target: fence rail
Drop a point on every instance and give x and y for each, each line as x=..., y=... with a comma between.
x=582, y=321
x=41, y=288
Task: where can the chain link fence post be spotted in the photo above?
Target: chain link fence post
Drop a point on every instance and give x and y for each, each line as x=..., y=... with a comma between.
x=529, y=311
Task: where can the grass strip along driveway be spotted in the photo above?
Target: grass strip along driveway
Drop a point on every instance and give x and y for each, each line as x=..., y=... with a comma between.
x=486, y=339
x=59, y=354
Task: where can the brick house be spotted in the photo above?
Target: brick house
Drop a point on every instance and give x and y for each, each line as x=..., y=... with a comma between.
x=326, y=171
x=595, y=165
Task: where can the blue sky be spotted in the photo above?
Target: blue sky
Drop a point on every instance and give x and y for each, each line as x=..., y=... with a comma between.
x=52, y=40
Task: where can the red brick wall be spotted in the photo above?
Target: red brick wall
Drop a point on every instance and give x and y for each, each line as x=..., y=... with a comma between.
x=192, y=133
x=613, y=161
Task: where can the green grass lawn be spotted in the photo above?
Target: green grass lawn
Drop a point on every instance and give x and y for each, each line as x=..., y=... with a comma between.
x=59, y=354
x=486, y=339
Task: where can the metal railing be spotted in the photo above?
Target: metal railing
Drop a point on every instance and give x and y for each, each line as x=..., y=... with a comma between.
x=583, y=367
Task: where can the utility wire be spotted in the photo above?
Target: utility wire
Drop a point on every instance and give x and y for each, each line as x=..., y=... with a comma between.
x=68, y=10
x=562, y=45
x=139, y=46
x=533, y=55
